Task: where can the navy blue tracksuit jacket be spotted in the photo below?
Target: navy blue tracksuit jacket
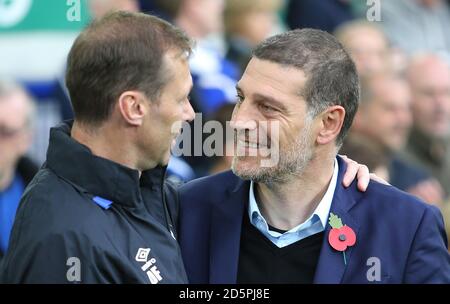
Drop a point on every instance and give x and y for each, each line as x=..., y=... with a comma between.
x=85, y=219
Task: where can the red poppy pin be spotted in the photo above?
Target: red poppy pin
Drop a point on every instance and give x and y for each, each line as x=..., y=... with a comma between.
x=340, y=236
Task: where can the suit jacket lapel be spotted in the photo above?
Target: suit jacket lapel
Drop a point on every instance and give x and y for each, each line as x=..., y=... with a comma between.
x=331, y=267
x=227, y=216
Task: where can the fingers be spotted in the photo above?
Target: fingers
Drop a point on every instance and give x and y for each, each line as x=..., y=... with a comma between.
x=376, y=178
x=355, y=170
x=363, y=177
x=439, y=192
x=350, y=173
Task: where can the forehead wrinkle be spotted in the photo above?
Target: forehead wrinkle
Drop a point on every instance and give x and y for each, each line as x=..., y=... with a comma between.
x=272, y=86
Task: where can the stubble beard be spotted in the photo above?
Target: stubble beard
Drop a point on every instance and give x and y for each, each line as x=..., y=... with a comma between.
x=293, y=161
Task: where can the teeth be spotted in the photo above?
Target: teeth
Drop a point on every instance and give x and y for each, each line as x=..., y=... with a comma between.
x=248, y=144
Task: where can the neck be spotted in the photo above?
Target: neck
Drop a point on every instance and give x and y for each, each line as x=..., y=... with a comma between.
x=109, y=143
x=6, y=177
x=288, y=204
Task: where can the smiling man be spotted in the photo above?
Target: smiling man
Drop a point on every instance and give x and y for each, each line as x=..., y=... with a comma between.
x=294, y=222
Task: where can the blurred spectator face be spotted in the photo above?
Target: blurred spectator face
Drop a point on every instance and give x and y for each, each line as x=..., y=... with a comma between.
x=254, y=21
x=365, y=150
x=15, y=127
x=397, y=61
x=99, y=8
x=206, y=14
x=430, y=83
x=257, y=26
x=210, y=13
x=367, y=47
x=430, y=3
x=386, y=116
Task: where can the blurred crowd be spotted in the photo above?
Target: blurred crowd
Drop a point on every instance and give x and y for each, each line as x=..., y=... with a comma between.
x=402, y=128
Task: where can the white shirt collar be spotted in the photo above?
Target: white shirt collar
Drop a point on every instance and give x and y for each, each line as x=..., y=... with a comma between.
x=322, y=210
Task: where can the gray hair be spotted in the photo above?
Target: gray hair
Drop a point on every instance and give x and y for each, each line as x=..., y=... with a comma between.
x=9, y=87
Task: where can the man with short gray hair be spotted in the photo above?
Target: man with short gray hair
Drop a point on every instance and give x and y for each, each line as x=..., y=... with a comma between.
x=17, y=113
x=295, y=222
x=429, y=141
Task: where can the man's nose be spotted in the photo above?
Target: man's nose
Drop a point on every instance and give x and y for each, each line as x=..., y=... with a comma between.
x=189, y=112
x=242, y=118
x=243, y=124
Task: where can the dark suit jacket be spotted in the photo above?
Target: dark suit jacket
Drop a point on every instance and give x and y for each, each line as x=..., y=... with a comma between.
x=406, y=235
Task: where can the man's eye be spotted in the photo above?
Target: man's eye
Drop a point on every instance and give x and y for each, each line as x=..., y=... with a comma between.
x=186, y=99
x=239, y=98
x=266, y=108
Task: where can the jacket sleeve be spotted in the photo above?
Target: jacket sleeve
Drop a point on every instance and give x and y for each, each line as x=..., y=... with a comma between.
x=65, y=258
x=37, y=261
x=429, y=259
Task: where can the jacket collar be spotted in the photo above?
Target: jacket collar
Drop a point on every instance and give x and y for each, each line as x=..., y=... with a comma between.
x=98, y=176
x=330, y=267
x=226, y=225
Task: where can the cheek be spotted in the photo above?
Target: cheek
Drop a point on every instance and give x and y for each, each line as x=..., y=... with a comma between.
x=173, y=120
x=426, y=113
x=385, y=120
x=446, y=106
x=176, y=114
x=287, y=136
x=9, y=149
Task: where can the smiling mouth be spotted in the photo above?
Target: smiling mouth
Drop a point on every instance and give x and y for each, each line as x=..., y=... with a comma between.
x=251, y=145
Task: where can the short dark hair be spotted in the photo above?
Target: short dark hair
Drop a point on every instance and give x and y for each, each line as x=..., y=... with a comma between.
x=332, y=78
x=119, y=52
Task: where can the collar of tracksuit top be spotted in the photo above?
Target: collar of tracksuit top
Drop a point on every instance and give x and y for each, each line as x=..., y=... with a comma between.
x=95, y=175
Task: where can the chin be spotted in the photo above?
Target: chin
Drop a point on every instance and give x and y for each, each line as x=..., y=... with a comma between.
x=165, y=160
x=245, y=163
x=249, y=168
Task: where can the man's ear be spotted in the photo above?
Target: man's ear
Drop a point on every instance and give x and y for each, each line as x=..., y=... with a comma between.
x=133, y=106
x=331, y=121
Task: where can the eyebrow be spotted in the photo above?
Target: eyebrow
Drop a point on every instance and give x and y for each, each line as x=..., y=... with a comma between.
x=271, y=100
